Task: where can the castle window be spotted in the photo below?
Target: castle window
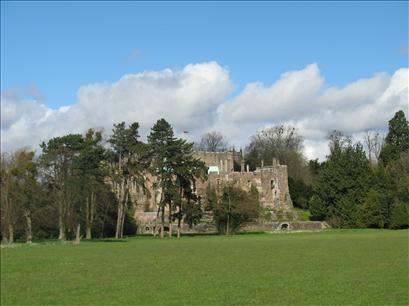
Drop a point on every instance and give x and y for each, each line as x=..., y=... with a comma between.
x=272, y=184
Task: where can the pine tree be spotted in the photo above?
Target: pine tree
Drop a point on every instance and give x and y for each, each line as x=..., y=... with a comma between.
x=176, y=171
x=397, y=140
x=370, y=212
x=128, y=160
x=342, y=183
x=163, y=146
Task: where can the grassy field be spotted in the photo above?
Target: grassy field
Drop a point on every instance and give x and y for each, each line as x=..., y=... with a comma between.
x=368, y=267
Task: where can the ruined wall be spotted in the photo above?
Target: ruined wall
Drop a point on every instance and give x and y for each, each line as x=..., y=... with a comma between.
x=206, y=228
x=223, y=160
x=271, y=183
x=284, y=225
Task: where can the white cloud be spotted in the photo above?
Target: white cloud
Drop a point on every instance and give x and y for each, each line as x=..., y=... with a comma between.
x=300, y=99
x=195, y=98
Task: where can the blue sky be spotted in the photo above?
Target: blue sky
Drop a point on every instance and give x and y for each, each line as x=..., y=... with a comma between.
x=234, y=67
x=57, y=47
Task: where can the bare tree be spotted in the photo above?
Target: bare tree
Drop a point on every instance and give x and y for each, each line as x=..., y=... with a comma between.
x=373, y=144
x=283, y=143
x=213, y=142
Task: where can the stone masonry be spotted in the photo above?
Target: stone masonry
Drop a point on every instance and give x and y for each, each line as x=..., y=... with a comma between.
x=270, y=181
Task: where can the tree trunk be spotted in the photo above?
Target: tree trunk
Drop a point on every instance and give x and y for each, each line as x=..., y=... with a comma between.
x=118, y=221
x=170, y=220
x=227, y=224
x=78, y=234
x=120, y=211
x=11, y=234
x=61, y=224
x=88, y=233
x=123, y=212
x=228, y=215
x=92, y=212
x=91, y=201
x=4, y=239
x=162, y=226
x=103, y=220
x=87, y=219
x=179, y=220
x=29, y=235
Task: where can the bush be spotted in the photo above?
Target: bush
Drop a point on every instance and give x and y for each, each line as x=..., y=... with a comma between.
x=399, y=216
x=370, y=212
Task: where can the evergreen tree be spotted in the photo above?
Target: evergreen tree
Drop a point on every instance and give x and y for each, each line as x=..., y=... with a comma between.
x=163, y=146
x=383, y=184
x=128, y=161
x=370, y=213
x=59, y=170
x=399, y=215
x=397, y=140
x=92, y=175
x=342, y=183
x=176, y=172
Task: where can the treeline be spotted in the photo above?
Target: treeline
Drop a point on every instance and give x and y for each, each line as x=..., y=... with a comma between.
x=361, y=184
x=81, y=187
x=352, y=190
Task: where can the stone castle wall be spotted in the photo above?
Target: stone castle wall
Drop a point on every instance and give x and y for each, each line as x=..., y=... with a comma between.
x=223, y=160
x=271, y=183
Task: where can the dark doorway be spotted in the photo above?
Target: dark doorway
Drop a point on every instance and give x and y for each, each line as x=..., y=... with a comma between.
x=284, y=226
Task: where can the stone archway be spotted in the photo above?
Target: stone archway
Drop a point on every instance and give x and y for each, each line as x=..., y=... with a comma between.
x=284, y=226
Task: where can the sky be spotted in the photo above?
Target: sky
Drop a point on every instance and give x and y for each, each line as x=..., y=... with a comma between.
x=236, y=67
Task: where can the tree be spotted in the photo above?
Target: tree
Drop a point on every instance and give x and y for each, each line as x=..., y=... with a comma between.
x=58, y=169
x=342, y=183
x=176, y=171
x=399, y=216
x=162, y=144
x=24, y=179
x=397, y=140
x=300, y=192
x=373, y=144
x=383, y=184
x=370, y=212
x=213, y=142
x=398, y=171
x=236, y=207
x=92, y=174
x=128, y=161
x=282, y=143
x=8, y=207
x=187, y=170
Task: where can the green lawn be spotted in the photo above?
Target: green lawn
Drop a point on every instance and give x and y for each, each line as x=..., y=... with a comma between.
x=336, y=267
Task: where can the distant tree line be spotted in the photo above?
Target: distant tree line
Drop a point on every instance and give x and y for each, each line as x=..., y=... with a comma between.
x=80, y=186
x=354, y=189
x=361, y=184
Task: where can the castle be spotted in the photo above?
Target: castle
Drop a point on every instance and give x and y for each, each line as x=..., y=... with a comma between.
x=270, y=181
x=223, y=168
